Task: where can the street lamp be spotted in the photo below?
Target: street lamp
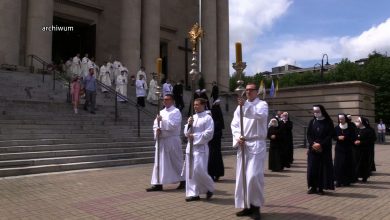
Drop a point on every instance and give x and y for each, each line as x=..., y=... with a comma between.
x=322, y=65
x=314, y=67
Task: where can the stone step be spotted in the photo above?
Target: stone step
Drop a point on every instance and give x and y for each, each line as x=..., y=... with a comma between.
x=63, y=136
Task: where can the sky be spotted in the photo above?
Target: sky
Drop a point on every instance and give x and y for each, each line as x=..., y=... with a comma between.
x=300, y=32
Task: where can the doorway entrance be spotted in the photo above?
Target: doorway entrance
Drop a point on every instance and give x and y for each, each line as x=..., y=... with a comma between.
x=67, y=44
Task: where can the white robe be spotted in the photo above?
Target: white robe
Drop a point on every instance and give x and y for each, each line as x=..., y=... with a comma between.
x=141, y=73
x=203, y=130
x=68, y=68
x=110, y=68
x=84, y=66
x=140, y=88
x=117, y=65
x=152, y=97
x=105, y=77
x=171, y=154
x=167, y=89
x=75, y=68
x=255, y=132
x=121, y=85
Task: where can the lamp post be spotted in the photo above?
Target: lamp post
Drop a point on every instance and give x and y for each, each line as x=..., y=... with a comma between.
x=322, y=64
x=314, y=67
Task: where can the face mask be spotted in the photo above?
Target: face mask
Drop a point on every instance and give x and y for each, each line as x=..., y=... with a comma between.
x=317, y=114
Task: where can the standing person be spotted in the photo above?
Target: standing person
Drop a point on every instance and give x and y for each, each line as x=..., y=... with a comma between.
x=199, y=129
x=381, y=132
x=288, y=139
x=344, y=167
x=167, y=87
x=140, y=90
x=75, y=89
x=141, y=71
x=275, y=139
x=170, y=152
x=68, y=67
x=214, y=91
x=178, y=94
x=152, y=96
x=364, y=146
x=196, y=95
x=253, y=144
x=116, y=70
x=121, y=84
x=216, y=168
x=90, y=91
x=84, y=66
x=320, y=132
x=105, y=77
x=76, y=68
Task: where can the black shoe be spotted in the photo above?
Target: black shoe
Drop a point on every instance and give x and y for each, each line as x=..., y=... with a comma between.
x=321, y=192
x=92, y=112
x=192, y=198
x=182, y=185
x=244, y=212
x=312, y=191
x=155, y=188
x=255, y=212
x=216, y=178
x=209, y=195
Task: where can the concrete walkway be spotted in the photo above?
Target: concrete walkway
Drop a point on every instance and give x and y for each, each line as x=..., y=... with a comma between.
x=119, y=193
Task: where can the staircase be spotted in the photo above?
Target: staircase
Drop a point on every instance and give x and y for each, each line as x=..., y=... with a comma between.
x=39, y=132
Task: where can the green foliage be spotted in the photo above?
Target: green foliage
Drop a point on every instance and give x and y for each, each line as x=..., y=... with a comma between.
x=376, y=71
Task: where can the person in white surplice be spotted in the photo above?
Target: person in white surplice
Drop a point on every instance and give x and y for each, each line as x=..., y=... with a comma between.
x=199, y=129
x=105, y=76
x=253, y=142
x=76, y=68
x=152, y=96
x=121, y=84
x=170, y=152
x=84, y=65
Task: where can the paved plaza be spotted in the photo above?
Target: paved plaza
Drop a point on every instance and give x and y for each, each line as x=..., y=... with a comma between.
x=119, y=193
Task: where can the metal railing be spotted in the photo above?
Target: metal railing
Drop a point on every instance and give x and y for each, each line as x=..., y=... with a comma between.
x=67, y=82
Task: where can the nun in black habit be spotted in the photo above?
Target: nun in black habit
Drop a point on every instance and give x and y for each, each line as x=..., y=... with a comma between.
x=344, y=166
x=216, y=168
x=275, y=139
x=364, y=148
x=320, y=132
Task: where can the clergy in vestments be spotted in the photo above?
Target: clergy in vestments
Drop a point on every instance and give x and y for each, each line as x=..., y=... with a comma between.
x=76, y=68
x=320, y=171
x=344, y=166
x=200, y=130
x=140, y=91
x=141, y=71
x=121, y=84
x=275, y=139
x=253, y=144
x=170, y=152
x=84, y=66
x=195, y=96
x=105, y=77
x=152, y=96
x=167, y=88
x=116, y=69
x=216, y=168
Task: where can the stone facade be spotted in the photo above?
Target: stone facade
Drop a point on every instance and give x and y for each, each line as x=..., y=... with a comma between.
x=132, y=31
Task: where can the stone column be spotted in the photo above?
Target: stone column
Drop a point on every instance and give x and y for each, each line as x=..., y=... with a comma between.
x=130, y=37
x=150, y=46
x=39, y=42
x=223, y=44
x=10, y=31
x=209, y=42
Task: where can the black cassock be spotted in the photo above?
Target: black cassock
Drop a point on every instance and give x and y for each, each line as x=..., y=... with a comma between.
x=344, y=163
x=364, y=151
x=286, y=142
x=275, y=156
x=319, y=164
x=215, y=166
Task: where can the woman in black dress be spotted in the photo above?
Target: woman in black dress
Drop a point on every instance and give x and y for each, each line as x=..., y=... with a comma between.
x=320, y=132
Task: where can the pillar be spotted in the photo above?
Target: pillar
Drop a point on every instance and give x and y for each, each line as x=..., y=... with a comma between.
x=10, y=31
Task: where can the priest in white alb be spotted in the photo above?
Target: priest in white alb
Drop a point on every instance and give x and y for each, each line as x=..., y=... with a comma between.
x=199, y=130
x=152, y=96
x=105, y=76
x=253, y=144
x=84, y=65
x=166, y=129
x=121, y=83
